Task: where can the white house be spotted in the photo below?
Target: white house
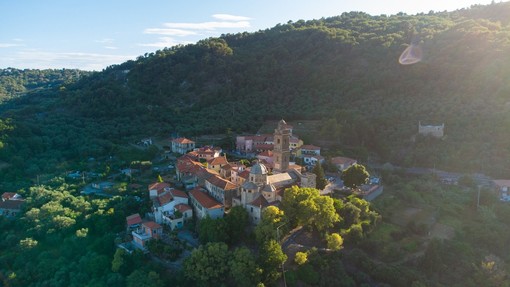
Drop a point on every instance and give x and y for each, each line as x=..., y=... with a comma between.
x=164, y=204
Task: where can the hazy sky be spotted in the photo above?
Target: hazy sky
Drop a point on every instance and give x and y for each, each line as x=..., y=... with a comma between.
x=93, y=34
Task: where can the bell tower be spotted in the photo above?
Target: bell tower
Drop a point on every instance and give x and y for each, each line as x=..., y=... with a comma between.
x=281, y=151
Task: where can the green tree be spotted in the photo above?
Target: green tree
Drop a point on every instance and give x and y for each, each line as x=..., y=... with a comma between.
x=294, y=199
x=272, y=217
x=118, y=259
x=141, y=278
x=208, y=264
x=324, y=213
x=236, y=221
x=301, y=258
x=305, y=206
x=212, y=230
x=335, y=241
x=321, y=180
x=271, y=259
x=243, y=268
x=355, y=175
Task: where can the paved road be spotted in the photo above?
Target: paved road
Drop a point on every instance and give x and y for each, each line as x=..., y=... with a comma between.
x=337, y=183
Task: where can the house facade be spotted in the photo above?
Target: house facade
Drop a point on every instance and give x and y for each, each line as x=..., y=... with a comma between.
x=182, y=145
x=164, y=204
x=147, y=231
x=205, y=205
x=430, y=130
x=11, y=204
x=181, y=214
x=221, y=189
x=133, y=221
x=157, y=188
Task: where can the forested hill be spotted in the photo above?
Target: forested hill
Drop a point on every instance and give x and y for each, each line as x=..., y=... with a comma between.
x=16, y=82
x=342, y=70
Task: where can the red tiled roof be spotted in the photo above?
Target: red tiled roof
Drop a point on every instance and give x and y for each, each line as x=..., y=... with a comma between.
x=227, y=167
x=165, y=198
x=267, y=153
x=158, y=186
x=205, y=173
x=245, y=174
x=179, y=193
x=502, y=182
x=218, y=160
x=182, y=207
x=205, y=199
x=294, y=140
x=8, y=195
x=134, y=219
x=151, y=224
x=182, y=141
x=221, y=183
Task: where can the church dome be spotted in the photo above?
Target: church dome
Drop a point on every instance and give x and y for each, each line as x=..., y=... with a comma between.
x=250, y=186
x=258, y=168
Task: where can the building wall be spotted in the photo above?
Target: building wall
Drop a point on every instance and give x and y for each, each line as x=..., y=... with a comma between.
x=435, y=131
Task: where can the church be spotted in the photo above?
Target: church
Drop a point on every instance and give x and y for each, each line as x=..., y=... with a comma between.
x=265, y=187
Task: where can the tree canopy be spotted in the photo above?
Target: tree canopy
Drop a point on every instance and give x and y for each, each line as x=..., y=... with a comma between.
x=354, y=176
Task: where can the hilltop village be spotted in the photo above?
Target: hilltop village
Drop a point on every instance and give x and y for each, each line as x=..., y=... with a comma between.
x=207, y=185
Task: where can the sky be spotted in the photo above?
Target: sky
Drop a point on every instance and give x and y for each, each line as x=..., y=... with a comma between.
x=94, y=34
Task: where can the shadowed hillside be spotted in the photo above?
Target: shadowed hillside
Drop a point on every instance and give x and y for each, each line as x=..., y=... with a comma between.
x=341, y=70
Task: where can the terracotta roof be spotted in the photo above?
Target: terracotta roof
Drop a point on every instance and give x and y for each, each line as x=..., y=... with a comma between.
x=179, y=193
x=342, y=160
x=165, y=198
x=218, y=160
x=245, y=174
x=8, y=195
x=205, y=173
x=259, y=201
x=182, y=207
x=221, y=183
x=227, y=167
x=267, y=153
x=158, y=186
x=11, y=204
x=151, y=224
x=309, y=147
x=187, y=165
x=205, y=199
x=182, y=141
x=134, y=219
x=502, y=182
x=296, y=167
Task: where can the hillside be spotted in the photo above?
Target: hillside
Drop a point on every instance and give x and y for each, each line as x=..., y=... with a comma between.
x=15, y=82
x=342, y=70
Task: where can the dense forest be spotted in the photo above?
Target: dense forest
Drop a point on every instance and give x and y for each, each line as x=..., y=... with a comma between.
x=343, y=72
x=15, y=82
